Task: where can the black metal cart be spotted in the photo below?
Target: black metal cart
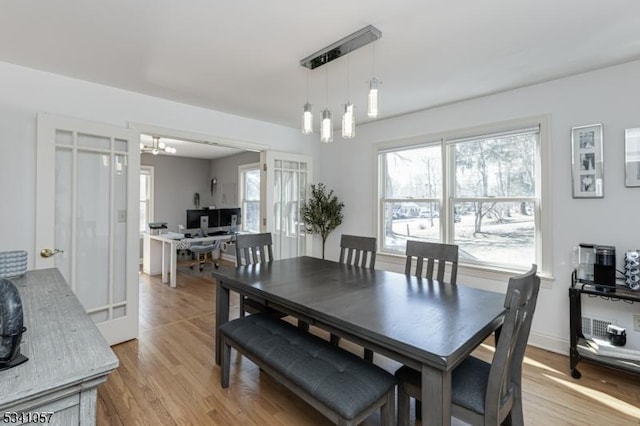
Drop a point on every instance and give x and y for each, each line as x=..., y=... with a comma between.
x=579, y=347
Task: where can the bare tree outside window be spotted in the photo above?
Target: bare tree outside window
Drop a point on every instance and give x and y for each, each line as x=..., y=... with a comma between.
x=492, y=197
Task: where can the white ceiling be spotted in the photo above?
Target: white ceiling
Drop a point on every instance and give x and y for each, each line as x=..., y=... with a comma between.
x=242, y=57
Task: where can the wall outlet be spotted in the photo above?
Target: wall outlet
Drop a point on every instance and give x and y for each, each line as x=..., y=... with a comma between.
x=636, y=323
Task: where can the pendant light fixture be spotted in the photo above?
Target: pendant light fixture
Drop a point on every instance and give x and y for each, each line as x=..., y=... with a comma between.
x=307, y=114
x=348, y=118
x=157, y=147
x=372, y=99
x=322, y=57
x=326, y=127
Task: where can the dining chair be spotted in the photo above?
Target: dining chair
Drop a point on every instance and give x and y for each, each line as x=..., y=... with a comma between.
x=253, y=249
x=432, y=253
x=358, y=251
x=443, y=254
x=487, y=393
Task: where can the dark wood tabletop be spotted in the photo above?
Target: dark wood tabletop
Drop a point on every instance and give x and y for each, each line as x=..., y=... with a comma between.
x=422, y=323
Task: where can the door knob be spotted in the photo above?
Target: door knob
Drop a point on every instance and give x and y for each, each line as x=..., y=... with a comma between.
x=48, y=252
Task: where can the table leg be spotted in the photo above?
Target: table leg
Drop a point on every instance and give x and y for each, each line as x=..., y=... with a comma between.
x=173, y=259
x=164, y=262
x=222, y=316
x=436, y=396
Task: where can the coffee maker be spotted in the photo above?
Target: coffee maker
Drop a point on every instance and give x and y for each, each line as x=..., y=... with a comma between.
x=604, y=268
x=597, y=266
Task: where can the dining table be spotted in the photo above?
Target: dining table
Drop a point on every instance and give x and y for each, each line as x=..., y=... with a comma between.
x=428, y=325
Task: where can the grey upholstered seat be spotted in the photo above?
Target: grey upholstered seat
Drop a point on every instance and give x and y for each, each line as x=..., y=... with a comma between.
x=336, y=378
x=358, y=251
x=483, y=393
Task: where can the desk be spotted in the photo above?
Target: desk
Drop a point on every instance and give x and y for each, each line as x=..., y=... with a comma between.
x=427, y=325
x=160, y=254
x=68, y=357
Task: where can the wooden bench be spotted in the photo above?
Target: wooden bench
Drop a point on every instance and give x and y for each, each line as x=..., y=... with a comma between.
x=339, y=384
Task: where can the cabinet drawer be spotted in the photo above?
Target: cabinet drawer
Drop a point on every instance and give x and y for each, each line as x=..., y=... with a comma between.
x=66, y=411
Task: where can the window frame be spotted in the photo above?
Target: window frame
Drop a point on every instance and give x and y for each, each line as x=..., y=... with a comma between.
x=447, y=140
x=242, y=170
x=149, y=171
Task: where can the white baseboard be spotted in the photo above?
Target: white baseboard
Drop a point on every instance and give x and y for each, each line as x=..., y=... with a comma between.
x=549, y=343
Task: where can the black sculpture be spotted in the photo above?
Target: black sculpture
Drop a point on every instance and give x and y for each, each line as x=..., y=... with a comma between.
x=11, y=326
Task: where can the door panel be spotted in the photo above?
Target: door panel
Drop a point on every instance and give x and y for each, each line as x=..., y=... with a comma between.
x=286, y=178
x=87, y=191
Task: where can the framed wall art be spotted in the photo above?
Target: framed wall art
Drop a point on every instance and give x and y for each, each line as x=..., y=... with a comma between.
x=586, y=161
x=632, y=157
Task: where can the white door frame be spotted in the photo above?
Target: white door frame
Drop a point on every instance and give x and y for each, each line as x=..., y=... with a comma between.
x=267, y=179
x=197, y=137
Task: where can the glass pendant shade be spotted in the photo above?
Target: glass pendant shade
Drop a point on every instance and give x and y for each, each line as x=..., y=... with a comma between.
x=348, y=122
x=307, y=119
x=326, y=131
x=372, y=104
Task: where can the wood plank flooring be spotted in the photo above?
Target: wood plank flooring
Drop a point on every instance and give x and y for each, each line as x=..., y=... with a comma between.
x=169, y=377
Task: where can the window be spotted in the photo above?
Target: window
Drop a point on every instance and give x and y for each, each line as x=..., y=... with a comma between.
x=146, y=197
x=481, y=192
x=412, y=189
x=250, y=197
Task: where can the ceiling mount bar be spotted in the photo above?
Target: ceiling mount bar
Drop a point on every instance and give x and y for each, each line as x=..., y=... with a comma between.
x=341, y=47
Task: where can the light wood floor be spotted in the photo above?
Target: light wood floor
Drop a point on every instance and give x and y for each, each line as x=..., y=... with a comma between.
x=169, y=377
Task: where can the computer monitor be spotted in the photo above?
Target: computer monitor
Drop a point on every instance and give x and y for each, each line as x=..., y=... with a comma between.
x=226, y=216
x=202, y=219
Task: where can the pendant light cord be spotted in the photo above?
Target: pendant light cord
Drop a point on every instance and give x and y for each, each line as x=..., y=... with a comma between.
x=348, y=82
x=373, y=59
x=326, y=87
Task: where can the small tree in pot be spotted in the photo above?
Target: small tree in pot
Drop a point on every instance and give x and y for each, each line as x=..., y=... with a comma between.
x=322, y=213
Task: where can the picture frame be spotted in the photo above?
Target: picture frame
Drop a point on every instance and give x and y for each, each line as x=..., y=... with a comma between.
x=587, y=164
x=632, y=157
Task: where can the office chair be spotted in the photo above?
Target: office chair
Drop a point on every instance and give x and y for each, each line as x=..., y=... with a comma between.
x=204, y=253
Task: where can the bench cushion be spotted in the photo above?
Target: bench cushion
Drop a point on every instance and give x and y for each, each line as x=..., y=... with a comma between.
x=339, y=379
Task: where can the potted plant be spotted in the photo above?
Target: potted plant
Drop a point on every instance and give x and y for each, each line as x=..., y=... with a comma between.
x=322, y=213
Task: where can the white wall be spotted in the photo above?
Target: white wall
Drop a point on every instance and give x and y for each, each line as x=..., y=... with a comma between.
x=225, y=170
x=608, y=96
x=176, y=179
x=24, y=92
